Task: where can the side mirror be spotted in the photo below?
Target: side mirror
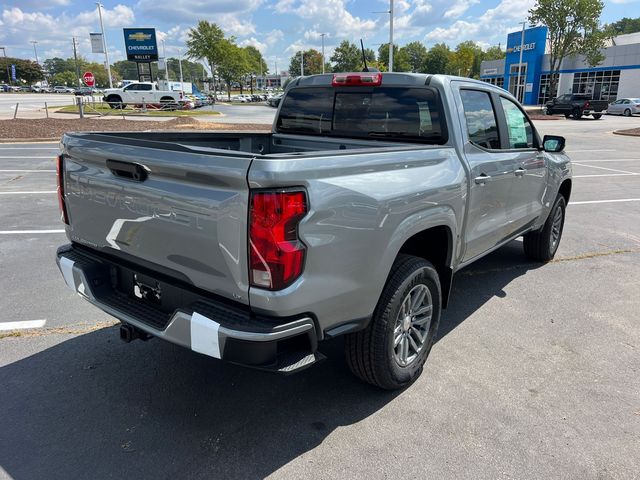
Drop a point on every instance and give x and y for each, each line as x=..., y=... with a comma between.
x=553, y=143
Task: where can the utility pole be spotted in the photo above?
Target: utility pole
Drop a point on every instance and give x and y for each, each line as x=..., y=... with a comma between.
x=75, y=58
x=301, y=63
x=391, y=35
x=104, y=45
x=180, y=64
x=323, y=35
x=4, y=51
x=520, y=63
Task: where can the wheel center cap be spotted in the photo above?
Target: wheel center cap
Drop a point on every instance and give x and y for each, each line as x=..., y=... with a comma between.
x=406, y=323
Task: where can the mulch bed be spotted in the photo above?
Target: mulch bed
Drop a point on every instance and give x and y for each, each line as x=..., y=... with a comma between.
x=632, y=132
x=54, y=128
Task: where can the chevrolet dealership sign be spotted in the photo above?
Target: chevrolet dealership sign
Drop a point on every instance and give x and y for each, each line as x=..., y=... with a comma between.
x=141, y=44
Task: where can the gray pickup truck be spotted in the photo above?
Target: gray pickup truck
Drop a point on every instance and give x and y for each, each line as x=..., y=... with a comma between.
x=350, y=218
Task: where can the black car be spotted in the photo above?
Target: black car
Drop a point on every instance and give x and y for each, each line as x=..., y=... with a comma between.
x=85, y=91
x=576, y=105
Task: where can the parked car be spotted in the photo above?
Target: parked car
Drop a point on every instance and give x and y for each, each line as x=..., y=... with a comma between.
x=349, y=218
x=83, y=91
x=274, y=101
x=576, y=105
x=62, y=89
x=624, y=106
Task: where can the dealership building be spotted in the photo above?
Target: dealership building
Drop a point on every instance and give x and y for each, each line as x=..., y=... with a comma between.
x=618, y=76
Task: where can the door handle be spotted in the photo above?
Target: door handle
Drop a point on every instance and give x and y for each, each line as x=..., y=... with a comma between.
x=520, y=172
x=482, y=179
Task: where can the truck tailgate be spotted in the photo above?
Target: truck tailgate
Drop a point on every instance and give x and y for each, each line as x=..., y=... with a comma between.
x=178, y=210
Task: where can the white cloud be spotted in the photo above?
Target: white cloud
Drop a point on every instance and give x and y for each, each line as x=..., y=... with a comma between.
x=190, y=11
x=459, y=7
x=254, y=42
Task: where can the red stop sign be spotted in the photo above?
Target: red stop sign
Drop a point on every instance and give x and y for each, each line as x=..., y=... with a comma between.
x=89, y=79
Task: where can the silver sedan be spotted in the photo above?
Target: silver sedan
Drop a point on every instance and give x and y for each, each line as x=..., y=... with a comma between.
x=624, y=106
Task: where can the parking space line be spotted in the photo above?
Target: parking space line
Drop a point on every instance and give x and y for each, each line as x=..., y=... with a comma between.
x=621, y=200
x=28, y=171
x=22, y=325
x=27, y=193
x=23, y=232
x=609, y=160
x=603, y=168
x=584, y=151
x=607, y=175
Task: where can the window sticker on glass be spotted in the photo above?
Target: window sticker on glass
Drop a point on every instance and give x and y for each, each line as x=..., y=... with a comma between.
x=425, y=116
x=520, y=131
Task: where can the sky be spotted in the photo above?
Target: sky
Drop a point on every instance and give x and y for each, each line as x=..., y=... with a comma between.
x=278, y=28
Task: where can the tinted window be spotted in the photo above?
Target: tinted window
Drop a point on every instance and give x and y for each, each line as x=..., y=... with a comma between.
x=481, y=119
x=145, y=86
x=411, y=114
x=520, y=132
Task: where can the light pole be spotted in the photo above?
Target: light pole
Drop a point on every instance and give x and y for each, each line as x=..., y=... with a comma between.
x=35, y=51
x=166, y=63
x=390, y=12
x=4, y=51
x=323, y=35
x=104, y=44
x=301, y=63
x=520, y=63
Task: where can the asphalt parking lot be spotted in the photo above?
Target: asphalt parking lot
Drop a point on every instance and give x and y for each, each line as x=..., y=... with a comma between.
x=536, y=372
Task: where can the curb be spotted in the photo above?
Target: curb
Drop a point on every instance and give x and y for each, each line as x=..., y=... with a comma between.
x=29, y=140
x=626, y=133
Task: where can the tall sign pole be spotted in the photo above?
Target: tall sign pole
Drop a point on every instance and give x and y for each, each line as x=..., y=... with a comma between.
x=520, y=64
x=391, y=35
x=4, y=51
x=104, y=44
x=166, y=64
x=301, y=63
x=75, y=58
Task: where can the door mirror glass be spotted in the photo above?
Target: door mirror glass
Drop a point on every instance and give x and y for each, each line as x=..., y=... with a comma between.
x=553, y=143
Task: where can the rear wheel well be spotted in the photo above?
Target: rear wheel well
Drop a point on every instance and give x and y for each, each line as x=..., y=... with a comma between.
x=565, y=190
x=434, y=245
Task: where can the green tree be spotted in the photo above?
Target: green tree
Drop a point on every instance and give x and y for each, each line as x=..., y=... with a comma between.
x=494, y=53
x=400, y=58
x=312, y=63
x=256, y=61
x=415, y=54
x=438, y=59
x=26, y=70
x=574, y=29
x=234, y=64
x=625, y=25
x=346, y=58
x=66, y=78
x=126, y=69
x=207, y=42
x=466, y=60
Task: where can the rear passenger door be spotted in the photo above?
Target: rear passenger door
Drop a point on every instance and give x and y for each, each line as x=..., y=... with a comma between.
x=491, y=172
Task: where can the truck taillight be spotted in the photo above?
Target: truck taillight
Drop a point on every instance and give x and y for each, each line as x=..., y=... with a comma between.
x=60, y=189
x=586, y=105
x=276, y=254
x=356, y=79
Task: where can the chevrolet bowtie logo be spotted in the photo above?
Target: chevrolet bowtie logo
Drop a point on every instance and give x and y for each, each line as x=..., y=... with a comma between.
x=139, y=36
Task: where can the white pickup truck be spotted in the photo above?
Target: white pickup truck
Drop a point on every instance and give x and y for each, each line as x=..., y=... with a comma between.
x=142, y=94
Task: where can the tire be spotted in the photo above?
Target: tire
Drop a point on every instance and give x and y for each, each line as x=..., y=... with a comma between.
x=567, y=115
x=115, y=101
x=627, y=113
x=596, y=116
x=372, y=354
x=168, y=103
x=576, y=114
x=548, y=111
x=542, y=245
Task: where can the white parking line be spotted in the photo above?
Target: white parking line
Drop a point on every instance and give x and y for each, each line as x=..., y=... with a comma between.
x=22, y=325
x=27, y=171
x=7, y=147
x=594, y=150
x=21, y=193
x=607, y=175
x=621, y=200
x=23, y=232
x=609, y=160
x=603, y=168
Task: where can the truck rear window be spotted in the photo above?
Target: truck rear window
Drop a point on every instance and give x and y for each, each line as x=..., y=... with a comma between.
x=405, y=114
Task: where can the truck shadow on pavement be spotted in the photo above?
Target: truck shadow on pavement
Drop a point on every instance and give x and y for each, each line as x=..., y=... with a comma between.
x=93, y=407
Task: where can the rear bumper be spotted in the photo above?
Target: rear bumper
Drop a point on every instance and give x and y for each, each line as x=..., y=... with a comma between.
x=205, y=325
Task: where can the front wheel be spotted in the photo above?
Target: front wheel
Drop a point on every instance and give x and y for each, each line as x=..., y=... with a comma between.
x=627, y=112
x=576, y=114
x=542, y=245
x=390, y=353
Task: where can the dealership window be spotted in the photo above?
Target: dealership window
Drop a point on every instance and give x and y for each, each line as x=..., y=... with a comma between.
x=601, y=85
x=545, y=94
x=497, y=81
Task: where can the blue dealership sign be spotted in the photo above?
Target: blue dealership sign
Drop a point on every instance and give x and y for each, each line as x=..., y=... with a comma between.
x=533, y=48
x=13, y=72
x=141, y=44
